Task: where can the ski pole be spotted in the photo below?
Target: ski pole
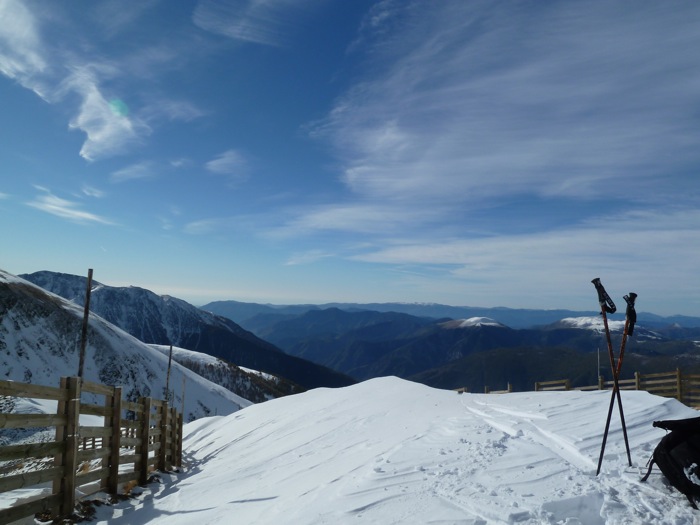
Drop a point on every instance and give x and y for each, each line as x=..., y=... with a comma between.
x=607, y=306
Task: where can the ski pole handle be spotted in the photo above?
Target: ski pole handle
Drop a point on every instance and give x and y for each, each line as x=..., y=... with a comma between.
x=631, y=312
x=604, y=300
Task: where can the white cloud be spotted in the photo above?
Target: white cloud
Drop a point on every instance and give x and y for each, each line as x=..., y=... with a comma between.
x=307, y=257
x=164, y=109
x=261, y=22
x=21, y=47
x=202, y=227
x=65, y=209
x=142, y=170
x=230, y=163
x=26, y=58
x=92, y=192
x=109, y=132
x=471, y=100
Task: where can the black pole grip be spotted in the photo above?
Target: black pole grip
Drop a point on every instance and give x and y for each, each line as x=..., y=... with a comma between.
x=631, y=312
x=603, y=297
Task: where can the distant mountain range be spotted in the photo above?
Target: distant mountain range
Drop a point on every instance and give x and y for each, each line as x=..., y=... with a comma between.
x=340, y=343
x=451, y=353
x=166, y=320
x=253, y=316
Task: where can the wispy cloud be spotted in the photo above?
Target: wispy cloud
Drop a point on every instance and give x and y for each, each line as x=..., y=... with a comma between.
x=92, y=192
x=268, y=22
x=21, y=49
x=109, y=129
x=141, y=170
x=171, y=110
x=307, y=257
x=203, y=227
x=556, y=102
x=27, y=58
x=112, y=16
x=231, y=163
x=65, y=209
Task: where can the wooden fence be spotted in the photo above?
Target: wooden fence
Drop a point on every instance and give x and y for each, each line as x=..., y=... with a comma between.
x=683, y=387
x=134, y=439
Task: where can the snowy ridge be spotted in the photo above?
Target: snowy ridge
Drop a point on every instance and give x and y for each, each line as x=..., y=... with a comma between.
x=249, y=384
x=388, y=451
x=472, y=321
x=39, y=335
x=592, y=323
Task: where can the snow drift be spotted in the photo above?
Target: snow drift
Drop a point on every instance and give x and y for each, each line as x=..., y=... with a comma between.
x=388, y=451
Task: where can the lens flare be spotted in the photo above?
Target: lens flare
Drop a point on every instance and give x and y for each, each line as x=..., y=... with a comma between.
x=119, y=107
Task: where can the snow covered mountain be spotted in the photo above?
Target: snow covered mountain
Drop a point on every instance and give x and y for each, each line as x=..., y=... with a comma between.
x=166, y=320
x=39, y=343
x=472, y=321
x=392, y=452
x=251, y=385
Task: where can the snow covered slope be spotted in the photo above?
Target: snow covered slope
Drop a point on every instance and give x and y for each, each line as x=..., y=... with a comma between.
x=39, y=343
x=251, y=385
x=166, y=320
x=388, y=451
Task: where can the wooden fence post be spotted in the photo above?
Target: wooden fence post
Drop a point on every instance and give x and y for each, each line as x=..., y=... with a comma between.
x=601, y=383
x=172, y=449
x=115, y=401
x=163, y=451
x=178, y=455
x=537, y=386
x=637, y=381
x=679, y=385
x=145, y=432
x=69, y=461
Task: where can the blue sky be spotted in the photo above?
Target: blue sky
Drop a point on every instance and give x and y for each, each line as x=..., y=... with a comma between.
x=287, y=151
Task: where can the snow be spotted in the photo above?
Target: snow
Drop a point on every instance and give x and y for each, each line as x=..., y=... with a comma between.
x=389, y=451
x=472, y=321
x=39, y=333
x=593, y=323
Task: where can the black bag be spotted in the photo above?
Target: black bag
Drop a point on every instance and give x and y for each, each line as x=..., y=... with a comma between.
x=678, y=456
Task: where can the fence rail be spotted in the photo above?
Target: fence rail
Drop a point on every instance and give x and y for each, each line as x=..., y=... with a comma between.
x=683, y=387
x=91, y=458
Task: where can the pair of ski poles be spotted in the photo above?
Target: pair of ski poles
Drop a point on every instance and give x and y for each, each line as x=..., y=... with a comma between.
x=607, y=306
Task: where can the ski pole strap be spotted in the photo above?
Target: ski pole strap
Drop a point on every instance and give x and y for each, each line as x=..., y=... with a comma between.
x=603, y=298
x=631, y=312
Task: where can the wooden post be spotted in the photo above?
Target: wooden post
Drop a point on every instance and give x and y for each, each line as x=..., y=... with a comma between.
x=537, y=386
x=178, y=455
x=637, y=381
x=510, y=387
x=679, y=385
x=145, y=431
x=172, y=449
x=83, y=335
x=601, y=383
x=486, y=389
x=183, y=392
x=70, y=437
x=163, y=452
x=567, y=384
x=167, y=377
x=115, y=440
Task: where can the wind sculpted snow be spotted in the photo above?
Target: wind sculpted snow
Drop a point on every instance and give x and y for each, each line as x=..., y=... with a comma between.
x=388, y=451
